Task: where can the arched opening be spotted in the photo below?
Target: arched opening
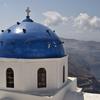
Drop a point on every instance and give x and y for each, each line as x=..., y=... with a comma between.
x=41, y=78
x=63, y=74
x=10, y=78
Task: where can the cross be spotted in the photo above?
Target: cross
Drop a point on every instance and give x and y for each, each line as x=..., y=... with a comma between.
x=28, y=11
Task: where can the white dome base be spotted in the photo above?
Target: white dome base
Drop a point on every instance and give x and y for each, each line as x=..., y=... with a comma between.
x=56, y=94
x=67, y=92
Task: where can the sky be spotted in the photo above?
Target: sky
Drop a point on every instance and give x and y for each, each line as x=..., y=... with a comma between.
x=73, y=19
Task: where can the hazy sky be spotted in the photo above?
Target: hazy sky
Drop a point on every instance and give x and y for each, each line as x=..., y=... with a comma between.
x=78, y=19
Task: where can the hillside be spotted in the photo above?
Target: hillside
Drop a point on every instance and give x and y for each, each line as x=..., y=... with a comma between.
x=84, y=63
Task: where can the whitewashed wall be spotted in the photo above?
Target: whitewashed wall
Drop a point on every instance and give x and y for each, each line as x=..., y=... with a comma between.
x=59, y=95
x=25, y=72
x=5, y=95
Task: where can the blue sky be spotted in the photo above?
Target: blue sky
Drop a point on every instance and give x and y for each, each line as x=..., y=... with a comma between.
x=78, y=19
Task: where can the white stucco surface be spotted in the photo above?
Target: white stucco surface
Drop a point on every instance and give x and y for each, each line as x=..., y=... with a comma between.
x=56, y=94
x=70, y=95
x=25, y=73
x=81, y=96
x=91, y=96
x=67, y=92
x=68, y=85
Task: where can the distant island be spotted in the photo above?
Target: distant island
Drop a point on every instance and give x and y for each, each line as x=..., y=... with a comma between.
x=84, y=63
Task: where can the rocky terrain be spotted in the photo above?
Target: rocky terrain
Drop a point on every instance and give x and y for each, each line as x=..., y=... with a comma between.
x=84, y=63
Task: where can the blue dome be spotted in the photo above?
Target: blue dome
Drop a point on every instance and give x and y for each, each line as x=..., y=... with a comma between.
x=30, y=40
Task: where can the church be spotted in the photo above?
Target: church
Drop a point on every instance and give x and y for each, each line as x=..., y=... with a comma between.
x=34, y=66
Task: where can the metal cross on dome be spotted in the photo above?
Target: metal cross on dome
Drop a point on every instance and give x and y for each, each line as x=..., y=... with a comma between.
x=28, y=11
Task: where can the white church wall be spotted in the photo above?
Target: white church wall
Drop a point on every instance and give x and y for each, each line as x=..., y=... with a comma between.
x=63, y=63
x=66, y=68
x=5, y=95
x=59, y=95
x=91, y=96
x=73, y=84
x=70, y=86
x=25, y=73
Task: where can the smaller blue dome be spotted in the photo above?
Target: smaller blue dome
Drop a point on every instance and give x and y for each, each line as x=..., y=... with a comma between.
x=30, y=40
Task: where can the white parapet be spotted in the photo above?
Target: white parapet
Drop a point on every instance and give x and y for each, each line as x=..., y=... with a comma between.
x=91, y=96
